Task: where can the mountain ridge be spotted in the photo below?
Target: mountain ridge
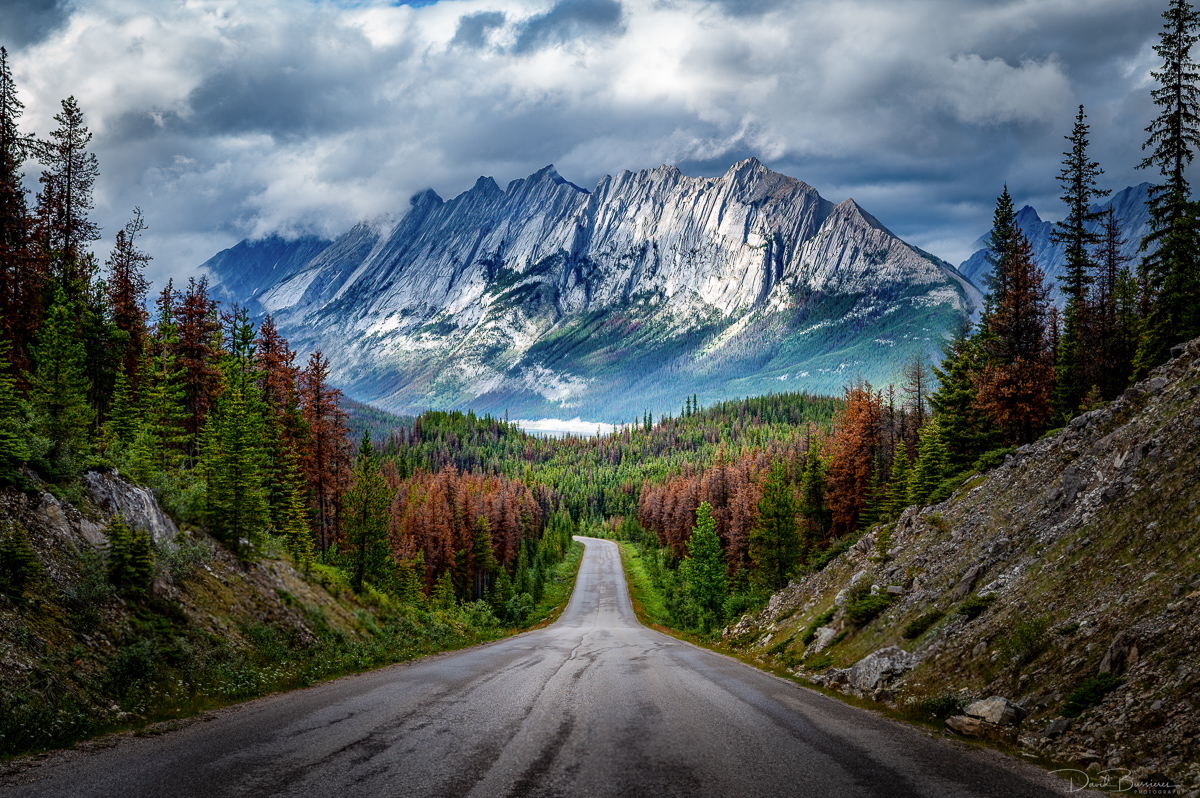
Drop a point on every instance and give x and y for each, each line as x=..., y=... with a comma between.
x=510, y=299
x=1132, y=216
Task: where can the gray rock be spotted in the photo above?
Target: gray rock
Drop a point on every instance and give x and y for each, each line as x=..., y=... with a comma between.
x=1057, y=728
x=135, y=503
x=895, y=590
x=974, y=727
x=876, y=669
x=966, y=582
x=1122, y=653
x=825, y=635
x=996, y=709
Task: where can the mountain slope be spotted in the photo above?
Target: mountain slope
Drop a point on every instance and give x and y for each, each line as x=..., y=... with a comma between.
x=546, y=299
x=1132, y=216
x=1066, y=580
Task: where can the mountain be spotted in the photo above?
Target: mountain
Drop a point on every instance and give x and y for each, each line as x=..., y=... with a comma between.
x=1130, y=207
x=546, y=299
x=253, y=266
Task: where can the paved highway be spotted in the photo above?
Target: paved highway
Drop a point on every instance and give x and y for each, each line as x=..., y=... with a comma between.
x=595, y=704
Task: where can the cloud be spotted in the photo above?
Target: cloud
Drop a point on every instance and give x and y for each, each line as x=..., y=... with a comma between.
x=473, y=28
x=29, y=21
x=568, y=21
x=227, y=120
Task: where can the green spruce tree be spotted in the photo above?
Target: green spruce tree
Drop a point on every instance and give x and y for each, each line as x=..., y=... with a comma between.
x=775, y=537
x=1075, y=233
x=1169, y=268
x=58, y=394
x=931, y=466
x=703, y=571
x=366, y=507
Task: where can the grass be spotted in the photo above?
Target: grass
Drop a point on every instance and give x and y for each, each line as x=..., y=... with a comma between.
x=648, y=604
x=920, y=625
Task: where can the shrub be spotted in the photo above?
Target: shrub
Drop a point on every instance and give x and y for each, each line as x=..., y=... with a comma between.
x=130, y=557
x=1066, y=630
x=826, y=557
x=810, y=633
x=19, y=566
x=864, y=610
x=1089, y=694
x=182, y=559
x=974, y=606
x=919, y=626
x=1026, y=639
x=989, y=460
x=936, y=707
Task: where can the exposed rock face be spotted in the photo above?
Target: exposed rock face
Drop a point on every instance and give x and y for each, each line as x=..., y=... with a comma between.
x=136, y=504
x=544, y=295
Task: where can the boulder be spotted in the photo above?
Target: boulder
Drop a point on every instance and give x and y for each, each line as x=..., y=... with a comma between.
x=1122, y=653
x=967, y=582
x=895, y=590
x=876, y=669
x=997, y=710
x=825, y=635
x=1057, y=728
x=981, y=729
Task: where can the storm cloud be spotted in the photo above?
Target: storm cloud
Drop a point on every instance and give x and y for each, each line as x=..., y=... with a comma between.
x=227, y=120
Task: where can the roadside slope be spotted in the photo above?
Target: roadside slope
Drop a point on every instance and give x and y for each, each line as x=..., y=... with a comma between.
x=1066, y=581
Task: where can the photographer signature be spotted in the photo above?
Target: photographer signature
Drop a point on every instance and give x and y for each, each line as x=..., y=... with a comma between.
x=1115, y=780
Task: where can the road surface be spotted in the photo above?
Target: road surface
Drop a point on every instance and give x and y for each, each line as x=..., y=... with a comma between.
x=595, y=704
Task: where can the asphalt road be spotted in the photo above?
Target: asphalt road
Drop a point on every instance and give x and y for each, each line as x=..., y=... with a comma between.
x=595, y=704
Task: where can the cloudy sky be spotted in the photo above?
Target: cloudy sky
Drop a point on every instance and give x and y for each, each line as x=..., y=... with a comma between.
x=226, y=119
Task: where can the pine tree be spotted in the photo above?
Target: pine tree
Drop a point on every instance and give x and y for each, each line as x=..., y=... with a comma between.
x=1169, y=268
x=66, y=197
x=19, y=564
x=813, y=507
x=21, y=278
x=1112, y=307
x=14, y=450
x=483, y=561
x=703, y=570
x=130, y=557
x=294, y=523
x=967, y=431
x=1078, y=181
x=327, y=443
x=931, y=466
x=897, y=497
x=1015, y=385
x=1000, y=241
x=127, y=287
x=58, y=395
x=775, y=538
x=234, y=463
x=366, y=517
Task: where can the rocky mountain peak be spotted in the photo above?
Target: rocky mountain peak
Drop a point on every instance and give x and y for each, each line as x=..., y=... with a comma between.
x=490, y=299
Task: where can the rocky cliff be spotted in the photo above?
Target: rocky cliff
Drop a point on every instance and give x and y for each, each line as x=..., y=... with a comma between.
x=546, y=298
x=1064, y=583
